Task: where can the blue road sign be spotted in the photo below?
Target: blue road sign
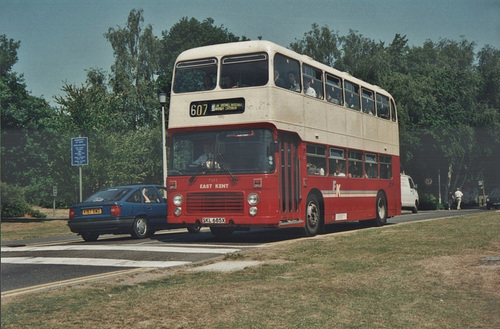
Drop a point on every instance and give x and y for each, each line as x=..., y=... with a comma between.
x=79, y=151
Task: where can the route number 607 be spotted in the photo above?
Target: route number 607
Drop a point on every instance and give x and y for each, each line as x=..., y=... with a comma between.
x=198, y=110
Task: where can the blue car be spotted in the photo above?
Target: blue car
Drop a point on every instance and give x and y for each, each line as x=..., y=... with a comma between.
x=139, y=210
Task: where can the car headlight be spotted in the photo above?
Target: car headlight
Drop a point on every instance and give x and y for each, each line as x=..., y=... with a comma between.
x=178, y=200
x=253, y=199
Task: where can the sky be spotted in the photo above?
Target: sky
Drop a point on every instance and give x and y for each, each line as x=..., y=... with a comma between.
x=61, y=39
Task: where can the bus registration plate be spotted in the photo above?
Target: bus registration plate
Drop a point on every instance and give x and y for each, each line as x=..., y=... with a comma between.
x=213, y=220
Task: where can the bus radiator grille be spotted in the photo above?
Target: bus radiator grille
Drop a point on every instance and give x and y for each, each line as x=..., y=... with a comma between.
x=215, y=202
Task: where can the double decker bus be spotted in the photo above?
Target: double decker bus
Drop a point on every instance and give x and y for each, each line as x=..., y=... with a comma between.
x=261, y=136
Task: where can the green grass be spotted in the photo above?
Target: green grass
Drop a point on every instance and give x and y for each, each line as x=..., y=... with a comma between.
x=418, y=275
x=33, y=228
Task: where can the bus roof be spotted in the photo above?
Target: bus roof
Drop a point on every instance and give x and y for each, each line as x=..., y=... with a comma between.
x=234, y=48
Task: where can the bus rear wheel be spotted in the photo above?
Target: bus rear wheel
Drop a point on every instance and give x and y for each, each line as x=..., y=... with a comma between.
x=313, y=216
x=381, y=208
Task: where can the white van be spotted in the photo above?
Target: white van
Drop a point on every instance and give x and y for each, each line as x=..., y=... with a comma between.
x=409, y=194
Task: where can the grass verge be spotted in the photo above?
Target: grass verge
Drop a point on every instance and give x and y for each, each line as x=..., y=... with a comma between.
x=22, y=229
x=30, y=228
x=433, y=274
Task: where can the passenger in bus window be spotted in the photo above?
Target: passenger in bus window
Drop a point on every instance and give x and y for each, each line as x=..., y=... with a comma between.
x=313, y=169
x=228, y=82
x=308, y=89
x=350, y=101
x=339, y=172
x=208, y=83
x=385, y=171
x=371, y=170
x=355, y=169
x=278, y=81
x=294, y=85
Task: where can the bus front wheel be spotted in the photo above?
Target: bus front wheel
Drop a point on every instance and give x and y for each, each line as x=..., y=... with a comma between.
x=313, y=216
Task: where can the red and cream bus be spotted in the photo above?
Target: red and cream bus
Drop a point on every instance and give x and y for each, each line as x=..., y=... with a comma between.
x=261, y=136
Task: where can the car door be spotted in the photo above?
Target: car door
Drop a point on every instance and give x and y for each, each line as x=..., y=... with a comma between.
x=156, y=206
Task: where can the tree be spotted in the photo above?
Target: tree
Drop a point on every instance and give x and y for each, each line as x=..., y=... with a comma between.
x=137, y=53
x=28, y=124
x=8, y=54
x=319, y=43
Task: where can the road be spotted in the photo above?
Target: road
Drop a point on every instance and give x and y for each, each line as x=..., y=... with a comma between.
x=34, y=266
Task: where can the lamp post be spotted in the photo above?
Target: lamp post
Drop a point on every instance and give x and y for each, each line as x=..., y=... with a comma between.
x=163, y=100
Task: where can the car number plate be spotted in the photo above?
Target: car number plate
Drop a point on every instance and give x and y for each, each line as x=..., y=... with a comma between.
x=95, y=211
x=213, y=220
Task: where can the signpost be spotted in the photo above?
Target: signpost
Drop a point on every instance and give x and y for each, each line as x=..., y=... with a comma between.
x=79, y=156
x=54, y=194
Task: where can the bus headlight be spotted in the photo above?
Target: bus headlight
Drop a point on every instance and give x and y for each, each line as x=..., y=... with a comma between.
x=177, y=211
x=178, y=200
x=253, y=199
x=252, y=211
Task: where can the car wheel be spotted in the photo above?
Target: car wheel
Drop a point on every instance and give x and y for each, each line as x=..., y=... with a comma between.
x=140, y=228
x=415, y=209
x=89, y=237
x=194, y=228
x=313, y=216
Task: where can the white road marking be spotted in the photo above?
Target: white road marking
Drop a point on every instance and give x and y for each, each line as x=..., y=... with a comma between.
x=90, y=262
x=186, y=250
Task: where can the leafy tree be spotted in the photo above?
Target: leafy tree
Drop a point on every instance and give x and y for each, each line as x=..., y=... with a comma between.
x=362, y=57
x=322, y=44
x=8, y=54
x=29, y=127
x=137, y=53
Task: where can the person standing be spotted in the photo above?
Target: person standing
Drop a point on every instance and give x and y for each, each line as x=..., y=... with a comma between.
x=458, y=197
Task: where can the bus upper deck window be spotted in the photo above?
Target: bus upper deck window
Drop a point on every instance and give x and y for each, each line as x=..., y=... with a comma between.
x=248, y=70
x=351, y=95
x=313, y=81
x=287, y=73
x=393, y=111
x=382, y=106
x=368, y=102
x=334, y=90
x=195, y=75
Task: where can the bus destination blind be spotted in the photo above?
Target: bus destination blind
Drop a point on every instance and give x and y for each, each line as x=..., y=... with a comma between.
x=217, y=107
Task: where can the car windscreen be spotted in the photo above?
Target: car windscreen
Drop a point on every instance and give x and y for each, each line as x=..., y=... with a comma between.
x=111, y=194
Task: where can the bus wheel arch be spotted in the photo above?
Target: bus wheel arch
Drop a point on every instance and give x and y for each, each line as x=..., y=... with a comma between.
x=314, y=220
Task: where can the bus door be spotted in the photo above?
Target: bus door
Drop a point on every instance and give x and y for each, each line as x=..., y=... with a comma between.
x=289, y=182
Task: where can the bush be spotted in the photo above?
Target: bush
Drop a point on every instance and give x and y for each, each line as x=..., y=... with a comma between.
x=428, y=202
x=14, y=203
